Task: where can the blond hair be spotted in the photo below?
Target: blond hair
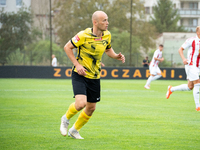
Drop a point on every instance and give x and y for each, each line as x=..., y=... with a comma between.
x=198, y=28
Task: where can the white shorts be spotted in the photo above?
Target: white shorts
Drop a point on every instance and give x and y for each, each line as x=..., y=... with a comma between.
x=154, y=70
x=192, y=72
x=186, y=71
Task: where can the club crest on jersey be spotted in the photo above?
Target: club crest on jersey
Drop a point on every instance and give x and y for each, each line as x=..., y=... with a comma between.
x=98, y=39
x=76, y=39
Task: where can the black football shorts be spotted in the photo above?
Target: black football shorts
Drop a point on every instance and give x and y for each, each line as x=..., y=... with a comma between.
x=85, y=86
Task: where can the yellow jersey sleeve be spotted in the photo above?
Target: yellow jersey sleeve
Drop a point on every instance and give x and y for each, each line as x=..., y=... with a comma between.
x=78, y=39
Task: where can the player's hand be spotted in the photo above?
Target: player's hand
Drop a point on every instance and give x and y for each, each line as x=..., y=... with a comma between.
x=102, y=64
x=185, y=61
x=162, y=59
x=81, y=70
x=121, y=57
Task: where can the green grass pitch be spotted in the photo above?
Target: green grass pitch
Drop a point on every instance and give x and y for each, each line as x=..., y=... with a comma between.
x=128, y=116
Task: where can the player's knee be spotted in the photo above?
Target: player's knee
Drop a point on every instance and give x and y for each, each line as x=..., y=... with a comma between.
x=190, y=87
x=80, y=105
x=91, y=108
x=80, y=102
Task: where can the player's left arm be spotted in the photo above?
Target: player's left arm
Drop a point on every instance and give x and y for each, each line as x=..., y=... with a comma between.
x=156, y=55
x=144, y=62
x=159, y=59
x=111, y=53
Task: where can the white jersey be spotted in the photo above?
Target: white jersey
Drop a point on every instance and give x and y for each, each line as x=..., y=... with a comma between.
x=54, y=62
x=157, y=54
x=193, y=46
x=189, y=54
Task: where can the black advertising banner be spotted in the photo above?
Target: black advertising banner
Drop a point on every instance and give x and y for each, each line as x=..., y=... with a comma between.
x=127, y=73
x=106, y=72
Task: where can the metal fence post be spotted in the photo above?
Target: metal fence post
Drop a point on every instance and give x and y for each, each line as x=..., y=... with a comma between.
x=24, y=57
x=31, y=59
x=171, y=59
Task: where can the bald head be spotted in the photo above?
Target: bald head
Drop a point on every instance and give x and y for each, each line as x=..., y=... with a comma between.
x=100, y=22
x=98, y=14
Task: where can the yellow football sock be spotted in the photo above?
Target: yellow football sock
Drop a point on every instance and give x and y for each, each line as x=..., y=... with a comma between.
x=81, y=121
x=71, y=111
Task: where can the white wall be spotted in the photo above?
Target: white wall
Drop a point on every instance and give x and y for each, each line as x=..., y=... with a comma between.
x=11, y=5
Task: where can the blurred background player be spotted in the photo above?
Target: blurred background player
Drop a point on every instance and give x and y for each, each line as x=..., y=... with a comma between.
x=182, y=87
x=192, y=68
x=145, y=62
x=54, y=61
x=91, y=44
x=155, y=72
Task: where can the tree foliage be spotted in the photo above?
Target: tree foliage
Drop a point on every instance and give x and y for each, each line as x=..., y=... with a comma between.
x=17, y=58
x=121, y=44
x=15, y=31
x=75, y=15
x=166, y=17
x=37, y=53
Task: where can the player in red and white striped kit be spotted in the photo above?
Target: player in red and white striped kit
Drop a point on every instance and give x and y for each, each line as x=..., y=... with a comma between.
x=192, y=68
x=155, y=72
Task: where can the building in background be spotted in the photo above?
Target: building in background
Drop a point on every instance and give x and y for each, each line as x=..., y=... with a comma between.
x=41, y=12
x=189, y=11
x=13, y=5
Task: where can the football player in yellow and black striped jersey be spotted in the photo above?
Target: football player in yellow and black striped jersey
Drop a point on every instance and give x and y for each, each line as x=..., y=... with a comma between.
x=90, y=50
x=91, y=44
